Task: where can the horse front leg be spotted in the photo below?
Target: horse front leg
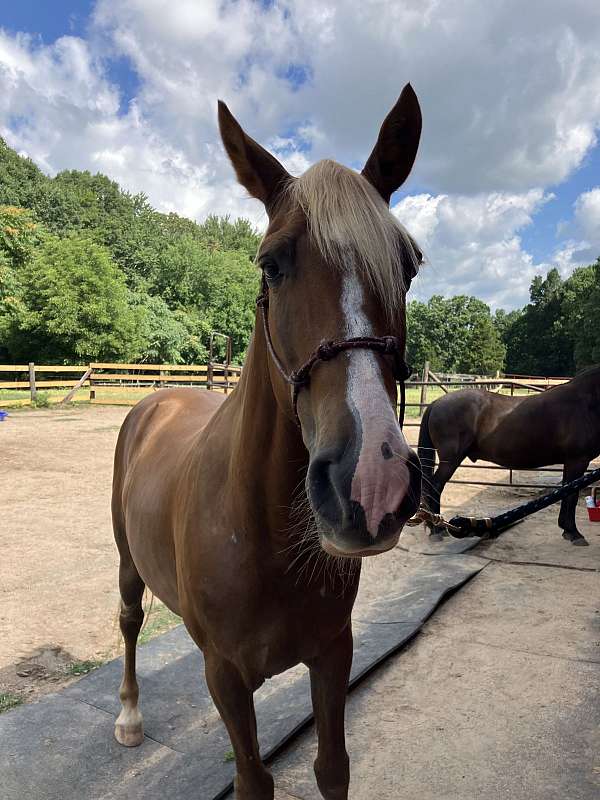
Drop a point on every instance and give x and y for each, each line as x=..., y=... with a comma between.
x=568, y=507
x=440, y=478
x=329, y=676
x=235, y=703
x=129, y=730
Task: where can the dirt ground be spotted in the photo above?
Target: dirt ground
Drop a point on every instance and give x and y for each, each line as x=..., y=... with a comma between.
x=58, y=573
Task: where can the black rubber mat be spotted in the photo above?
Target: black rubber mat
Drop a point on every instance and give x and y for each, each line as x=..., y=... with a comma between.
x=62, y=747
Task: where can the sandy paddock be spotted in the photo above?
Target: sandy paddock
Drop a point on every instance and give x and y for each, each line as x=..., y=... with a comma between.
x=58, y=573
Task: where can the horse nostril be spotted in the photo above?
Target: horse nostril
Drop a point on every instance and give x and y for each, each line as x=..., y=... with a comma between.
x=322, y=490
x=386, y=450
x=318, y=475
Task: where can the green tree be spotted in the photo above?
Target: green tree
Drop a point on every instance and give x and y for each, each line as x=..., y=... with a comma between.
x=75, y=306
x=229, y=288
x=585, y=316
x=19, y=235
x=535, y=342
x=164, y=335
x=454, y=334
x=184, y=278
x=484, y=351
x=504, y=320
x=21, y=181
x=219, y=233
x=76, y=202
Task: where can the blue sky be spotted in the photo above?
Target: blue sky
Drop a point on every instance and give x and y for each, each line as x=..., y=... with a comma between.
x=507, y=181
x=49, y=20
x=540, y=238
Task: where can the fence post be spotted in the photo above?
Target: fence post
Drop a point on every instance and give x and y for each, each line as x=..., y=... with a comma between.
x=227, y=363
x=209, y=375
x=423, y=405
x=32, y=389
x=510, y=472
x=92, y=390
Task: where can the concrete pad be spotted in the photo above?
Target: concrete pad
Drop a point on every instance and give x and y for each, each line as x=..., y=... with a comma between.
x=61, y=748
x=413, y=591
x=496, y=698
x=69, y=751
x=416, y=540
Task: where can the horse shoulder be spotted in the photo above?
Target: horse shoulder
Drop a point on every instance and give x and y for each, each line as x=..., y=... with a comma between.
x=152, y=457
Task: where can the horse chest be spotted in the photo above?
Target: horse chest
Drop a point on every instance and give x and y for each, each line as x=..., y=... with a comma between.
x=265, y=622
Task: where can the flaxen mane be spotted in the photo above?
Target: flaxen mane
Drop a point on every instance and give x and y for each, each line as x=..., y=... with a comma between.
x=351, y=224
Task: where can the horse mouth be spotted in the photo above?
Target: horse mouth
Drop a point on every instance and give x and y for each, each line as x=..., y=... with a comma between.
x=344, y=550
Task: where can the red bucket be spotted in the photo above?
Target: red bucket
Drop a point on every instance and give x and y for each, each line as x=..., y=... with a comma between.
x=594, y=513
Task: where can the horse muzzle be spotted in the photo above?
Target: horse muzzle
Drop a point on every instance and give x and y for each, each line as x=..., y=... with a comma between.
x=362, y=514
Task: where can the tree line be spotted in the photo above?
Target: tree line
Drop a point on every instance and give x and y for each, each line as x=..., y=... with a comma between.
x=555, y=334
x=89, y=272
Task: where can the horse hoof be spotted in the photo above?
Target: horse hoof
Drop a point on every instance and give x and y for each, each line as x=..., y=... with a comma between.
x=582, y=542
x=129, y=730
x=575, y=538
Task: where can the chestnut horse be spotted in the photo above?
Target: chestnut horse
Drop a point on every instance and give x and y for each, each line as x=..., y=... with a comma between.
x=558, y=426
x=204, y=491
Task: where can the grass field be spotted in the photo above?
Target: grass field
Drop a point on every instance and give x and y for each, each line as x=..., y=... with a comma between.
x=127, y=395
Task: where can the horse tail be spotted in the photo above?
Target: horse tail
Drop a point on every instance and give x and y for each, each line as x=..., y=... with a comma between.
x=426, y=452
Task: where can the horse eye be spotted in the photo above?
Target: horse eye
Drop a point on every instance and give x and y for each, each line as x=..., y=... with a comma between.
x=271, y=271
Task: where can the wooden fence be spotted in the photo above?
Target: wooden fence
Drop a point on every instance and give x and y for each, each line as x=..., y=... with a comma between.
x=124, y=384
x=114, y=383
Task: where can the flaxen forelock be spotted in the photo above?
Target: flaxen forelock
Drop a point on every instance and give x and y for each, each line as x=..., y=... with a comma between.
x=351, y=224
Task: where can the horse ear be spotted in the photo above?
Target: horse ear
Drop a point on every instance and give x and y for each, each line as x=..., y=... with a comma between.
x=394, y=154
x=256, y=169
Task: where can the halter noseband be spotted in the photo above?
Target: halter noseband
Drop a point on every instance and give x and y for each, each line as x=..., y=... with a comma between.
x=326, y=351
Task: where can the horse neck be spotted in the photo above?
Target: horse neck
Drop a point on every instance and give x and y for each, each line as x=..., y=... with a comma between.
x=594, y=384
x=589, y=381
x=268, y=455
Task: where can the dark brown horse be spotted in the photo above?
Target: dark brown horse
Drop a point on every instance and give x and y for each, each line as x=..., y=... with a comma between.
x=558, y=426
x=204, y=492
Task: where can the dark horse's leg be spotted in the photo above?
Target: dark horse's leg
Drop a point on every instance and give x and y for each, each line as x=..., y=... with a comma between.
x=329, y=675
x=236, y=707
x=566, y=519
x=128, y=727
x=439, y=480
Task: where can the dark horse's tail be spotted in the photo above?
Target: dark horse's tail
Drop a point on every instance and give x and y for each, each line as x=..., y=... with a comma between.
x=426, y=452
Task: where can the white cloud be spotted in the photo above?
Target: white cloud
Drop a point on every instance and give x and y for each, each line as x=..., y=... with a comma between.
x=57, y=107
x=587, y=214
x=510, y=91
x=583, y=245
x=510, y=95
x=472, y=244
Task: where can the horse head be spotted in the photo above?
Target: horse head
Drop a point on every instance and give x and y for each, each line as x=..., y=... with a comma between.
x=336, y=265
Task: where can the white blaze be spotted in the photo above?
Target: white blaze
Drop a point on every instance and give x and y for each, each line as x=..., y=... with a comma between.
x=378, y=484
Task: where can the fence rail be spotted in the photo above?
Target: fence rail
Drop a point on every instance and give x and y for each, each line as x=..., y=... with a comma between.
x=118, y=383
x=109, y=382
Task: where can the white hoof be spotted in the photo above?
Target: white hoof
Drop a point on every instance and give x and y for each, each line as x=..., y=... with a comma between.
x=129, y=730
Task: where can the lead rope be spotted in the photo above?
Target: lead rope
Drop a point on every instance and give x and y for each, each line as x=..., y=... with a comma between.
x=460, y=527
x=437, y=520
